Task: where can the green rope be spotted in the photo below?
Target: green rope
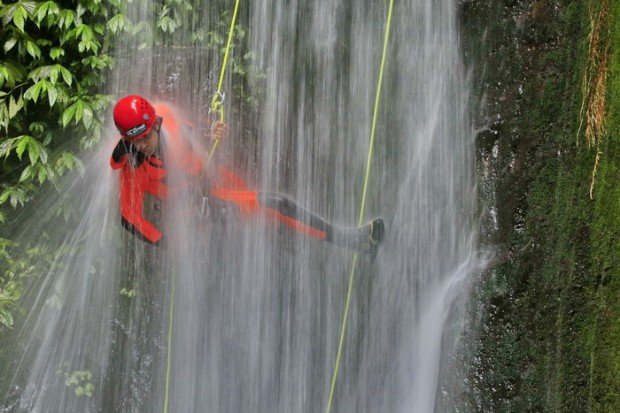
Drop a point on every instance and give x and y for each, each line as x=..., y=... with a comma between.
x=217, y=102
x=169, y=349
x=373, y=128
x=231, y=30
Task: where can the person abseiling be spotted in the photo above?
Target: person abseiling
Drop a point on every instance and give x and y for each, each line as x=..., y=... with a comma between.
x=145, y=129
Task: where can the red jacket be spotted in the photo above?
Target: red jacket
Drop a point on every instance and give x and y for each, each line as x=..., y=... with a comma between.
x=142, y=175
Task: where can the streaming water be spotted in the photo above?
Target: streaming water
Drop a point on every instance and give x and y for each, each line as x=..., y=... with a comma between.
x=257, y=311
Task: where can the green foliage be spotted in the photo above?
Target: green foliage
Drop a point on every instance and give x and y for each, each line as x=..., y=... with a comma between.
x=54, y=62
x=80, y=381
x=127, y=293
x=32, y=261
x=56, y=56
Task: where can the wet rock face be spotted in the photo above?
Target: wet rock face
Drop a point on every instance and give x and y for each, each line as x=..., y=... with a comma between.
x=537, y=302
x=523, y=55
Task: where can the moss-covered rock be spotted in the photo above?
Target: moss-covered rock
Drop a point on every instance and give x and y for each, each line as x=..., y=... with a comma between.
x=550, y=337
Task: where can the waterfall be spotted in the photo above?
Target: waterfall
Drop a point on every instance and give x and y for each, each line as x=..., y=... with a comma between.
x=257, y=311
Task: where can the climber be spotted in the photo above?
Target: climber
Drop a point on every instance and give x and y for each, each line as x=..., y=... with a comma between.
x=146, y=130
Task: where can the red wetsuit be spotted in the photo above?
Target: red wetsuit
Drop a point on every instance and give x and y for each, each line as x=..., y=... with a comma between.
x=141, y=175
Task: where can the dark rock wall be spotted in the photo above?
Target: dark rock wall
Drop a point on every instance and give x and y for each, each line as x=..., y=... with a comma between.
x=548, y=336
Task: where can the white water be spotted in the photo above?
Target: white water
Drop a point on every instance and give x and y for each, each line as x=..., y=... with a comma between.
x=257, y=312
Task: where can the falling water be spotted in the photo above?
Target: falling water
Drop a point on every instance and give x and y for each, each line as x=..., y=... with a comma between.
x=256, y=312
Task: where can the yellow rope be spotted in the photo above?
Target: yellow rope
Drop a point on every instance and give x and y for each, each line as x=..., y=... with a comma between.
x=373, y=128
x=217, y=106
x=169, y=349
x=217, y=102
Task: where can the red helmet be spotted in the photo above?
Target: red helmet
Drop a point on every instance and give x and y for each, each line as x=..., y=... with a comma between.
x=134, y=117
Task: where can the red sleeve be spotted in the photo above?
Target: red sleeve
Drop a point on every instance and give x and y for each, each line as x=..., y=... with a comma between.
x=132, y=195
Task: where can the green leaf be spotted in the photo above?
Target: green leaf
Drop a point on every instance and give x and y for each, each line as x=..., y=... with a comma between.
x=9, y=44
x=10, y=74
x=21, y=146
x=43, y=42
x=66, y=18
x=80, y=10
x=15, y=105
x=52, y=95
x=66, y=74
x=26, y=174
x=19, y=17
x=15, y=195
x=86, y=33
x=34, y=149
x=37, y=127
x=7, y=146
x=68, y=114
x=79, y=110
x=32, y=49
x=42, y=10
x=4, y=118
x=38, y=73
x=5, y=195
x=118, y=23
x=102, y=61
x=87, y=116
x=52, y=20
x=48, y=137
x=6, y=319
x=18, y=197
x=29, y=5
x=42, y=176
x=215, y=39
x=42, y=154
x=56, y=53
x=89, y=45
x=17, y=12
x=7, y=13
x=68, y=159
x=54, y=72
x=33, y=92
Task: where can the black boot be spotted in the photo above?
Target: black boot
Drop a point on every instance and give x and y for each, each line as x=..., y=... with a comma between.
x=364, y=239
